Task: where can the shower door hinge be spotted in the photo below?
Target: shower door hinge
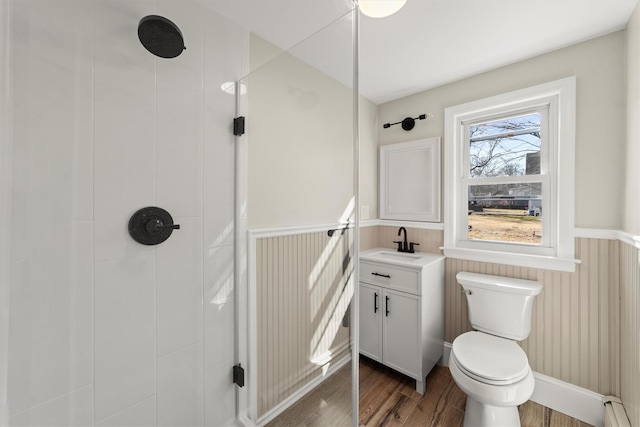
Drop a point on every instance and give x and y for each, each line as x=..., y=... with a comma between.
x=238, y=375
x=238, y=126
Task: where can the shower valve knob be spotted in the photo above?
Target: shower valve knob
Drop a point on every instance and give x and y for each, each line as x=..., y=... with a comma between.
x=151, y=225
x=155, y=225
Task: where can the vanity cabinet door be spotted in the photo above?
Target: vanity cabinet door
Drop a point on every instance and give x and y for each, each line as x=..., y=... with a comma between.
x=401, y=337
x=371, y=321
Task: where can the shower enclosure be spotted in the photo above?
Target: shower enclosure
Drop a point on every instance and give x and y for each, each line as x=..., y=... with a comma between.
x=301, y=110
x=99, y=329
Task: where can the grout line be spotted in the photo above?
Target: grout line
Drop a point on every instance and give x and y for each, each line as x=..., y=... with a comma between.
x=203, y=221
x=155, y=250
x=93, y=213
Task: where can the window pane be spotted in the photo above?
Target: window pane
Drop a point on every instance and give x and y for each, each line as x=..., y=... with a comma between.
x=505, y=213
x=505, y=147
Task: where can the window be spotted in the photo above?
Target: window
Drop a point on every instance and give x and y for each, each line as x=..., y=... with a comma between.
x=509, y=178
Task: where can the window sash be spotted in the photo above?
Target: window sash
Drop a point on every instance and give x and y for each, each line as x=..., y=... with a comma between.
x=549, y=241
x=543, y=109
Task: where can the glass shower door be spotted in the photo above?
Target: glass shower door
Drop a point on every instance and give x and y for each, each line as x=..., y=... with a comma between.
x=300, y=218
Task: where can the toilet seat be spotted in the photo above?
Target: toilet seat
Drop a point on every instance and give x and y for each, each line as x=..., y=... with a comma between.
x=490, y=359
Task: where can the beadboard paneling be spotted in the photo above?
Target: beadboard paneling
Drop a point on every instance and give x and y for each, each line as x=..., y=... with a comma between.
x=629, y=294
x=575, y=330
x=585, y=326
x=368, y=238
x=303, y=289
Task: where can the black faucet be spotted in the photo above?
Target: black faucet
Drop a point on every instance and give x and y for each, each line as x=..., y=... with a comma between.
x=403, y=246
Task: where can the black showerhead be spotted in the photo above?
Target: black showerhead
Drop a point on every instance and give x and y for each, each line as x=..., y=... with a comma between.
x=160, y=36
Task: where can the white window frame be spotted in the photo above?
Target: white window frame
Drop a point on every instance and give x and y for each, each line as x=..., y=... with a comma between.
x=556, y=252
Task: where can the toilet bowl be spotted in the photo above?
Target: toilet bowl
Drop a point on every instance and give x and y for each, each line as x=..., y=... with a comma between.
x=495, y=375
x=488, y=364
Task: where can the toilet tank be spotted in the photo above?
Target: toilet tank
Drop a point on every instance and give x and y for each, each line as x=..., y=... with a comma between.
x=499, y=305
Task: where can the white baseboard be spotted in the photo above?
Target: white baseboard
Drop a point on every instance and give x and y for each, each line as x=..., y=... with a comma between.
x=446, y=353
x=243, y=421
x=577, y=402
x=285, y=404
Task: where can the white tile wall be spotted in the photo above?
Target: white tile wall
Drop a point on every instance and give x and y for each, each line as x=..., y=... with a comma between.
x=51, y=336
x=180, y=114
x=218, y=210
x=179, y=288
x=125, y=341
x=124, y=171
x=125, y=126
x=218, y=306
x=104, y=330
x=74, y=409
x=219, y=388
x=141, y=414
x=179, y=149
x=181, y=388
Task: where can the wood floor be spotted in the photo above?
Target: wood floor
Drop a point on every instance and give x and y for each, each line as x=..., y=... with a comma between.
x=388, y=398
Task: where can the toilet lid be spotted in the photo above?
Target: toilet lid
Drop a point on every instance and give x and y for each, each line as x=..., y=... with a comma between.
x=490, y=359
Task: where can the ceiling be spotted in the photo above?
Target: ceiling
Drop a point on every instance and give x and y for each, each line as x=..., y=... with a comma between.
x=428, y=43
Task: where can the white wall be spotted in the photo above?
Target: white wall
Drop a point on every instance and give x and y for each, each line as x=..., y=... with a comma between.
x=300, y=142
x=300, y=130
x=369, y=157
x=632, y=190
x=598, y=65
x=102, y=329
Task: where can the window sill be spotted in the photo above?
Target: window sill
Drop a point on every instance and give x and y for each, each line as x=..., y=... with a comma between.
x=519, y=260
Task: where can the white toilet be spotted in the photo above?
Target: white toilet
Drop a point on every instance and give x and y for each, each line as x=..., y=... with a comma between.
x=487, y=363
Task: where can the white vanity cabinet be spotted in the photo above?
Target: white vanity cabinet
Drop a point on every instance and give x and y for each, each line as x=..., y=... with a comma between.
x=402, y=310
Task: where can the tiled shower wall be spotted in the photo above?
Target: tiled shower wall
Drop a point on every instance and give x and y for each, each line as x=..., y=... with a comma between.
x=103, y=330
x=585, y=324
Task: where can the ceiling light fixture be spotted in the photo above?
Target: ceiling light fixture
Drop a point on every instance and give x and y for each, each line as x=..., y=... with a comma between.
x=380, y=8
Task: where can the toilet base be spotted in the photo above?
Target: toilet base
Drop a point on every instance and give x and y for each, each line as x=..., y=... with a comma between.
x=478, y=414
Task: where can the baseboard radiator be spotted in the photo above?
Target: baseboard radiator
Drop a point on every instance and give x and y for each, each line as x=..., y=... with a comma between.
x=614, y=413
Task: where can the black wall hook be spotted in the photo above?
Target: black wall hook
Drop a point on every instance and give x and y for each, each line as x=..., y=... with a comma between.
x=408, y=123
x=151, y=225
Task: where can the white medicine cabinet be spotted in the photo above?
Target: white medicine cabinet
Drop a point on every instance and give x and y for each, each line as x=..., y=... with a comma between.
x=410, y=180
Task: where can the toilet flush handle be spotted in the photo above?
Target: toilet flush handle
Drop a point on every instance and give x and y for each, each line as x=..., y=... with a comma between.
x=467, y=291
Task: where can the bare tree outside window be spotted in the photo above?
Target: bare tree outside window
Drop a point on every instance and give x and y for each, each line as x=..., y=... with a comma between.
x=501, y=147
x=507, y=210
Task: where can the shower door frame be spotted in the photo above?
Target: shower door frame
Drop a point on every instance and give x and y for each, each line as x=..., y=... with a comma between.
x=6, y=159
x=246, y=304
